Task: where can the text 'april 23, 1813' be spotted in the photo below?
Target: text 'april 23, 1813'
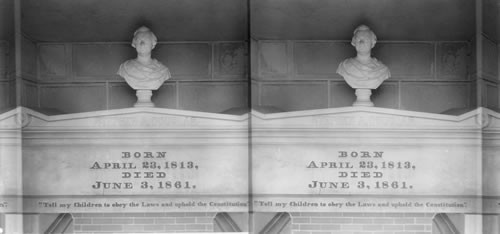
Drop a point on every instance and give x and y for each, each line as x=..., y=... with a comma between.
x=144, y=171
x=362, y=170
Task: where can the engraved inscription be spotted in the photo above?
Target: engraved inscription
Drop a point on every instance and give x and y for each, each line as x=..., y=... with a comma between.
x=362, y=170
x=144, y=171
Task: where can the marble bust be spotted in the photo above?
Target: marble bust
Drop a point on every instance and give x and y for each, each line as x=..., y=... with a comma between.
x=363, y=71
x=144, y=73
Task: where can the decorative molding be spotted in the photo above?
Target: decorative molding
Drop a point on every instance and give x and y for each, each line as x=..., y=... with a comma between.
x=365, y=118
x=24, y=119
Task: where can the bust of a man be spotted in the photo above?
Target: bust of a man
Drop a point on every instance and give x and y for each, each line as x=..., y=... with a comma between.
x=363, y=71
x=144, y=72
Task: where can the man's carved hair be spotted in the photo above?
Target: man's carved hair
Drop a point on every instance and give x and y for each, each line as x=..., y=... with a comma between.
x=144, y=30
x=364, y=28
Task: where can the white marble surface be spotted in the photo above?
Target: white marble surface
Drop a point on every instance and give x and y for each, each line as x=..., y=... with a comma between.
x=456, y=157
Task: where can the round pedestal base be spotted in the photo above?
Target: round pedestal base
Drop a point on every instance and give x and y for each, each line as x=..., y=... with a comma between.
x=144, y=98
x=363, y=97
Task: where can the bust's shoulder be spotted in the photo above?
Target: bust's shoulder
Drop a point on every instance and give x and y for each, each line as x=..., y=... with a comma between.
x=158, y=65
x=347, y=63
x=379, y=64
x=131, y=63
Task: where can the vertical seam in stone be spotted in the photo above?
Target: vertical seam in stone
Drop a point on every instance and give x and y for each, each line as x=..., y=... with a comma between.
x=434, y=69
x=291, y=68
x=259, y=90
x=107, y=95
x=37, y=61
x=177, y=102
x=328, y=83
x=69, y=55
x=38, y=78
x=399, y=94
x=259, y=74
x=38, y=95
x=211, y=66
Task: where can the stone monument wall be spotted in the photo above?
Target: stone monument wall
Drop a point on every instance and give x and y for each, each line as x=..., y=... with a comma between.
x=79, y=77
x=298, y=75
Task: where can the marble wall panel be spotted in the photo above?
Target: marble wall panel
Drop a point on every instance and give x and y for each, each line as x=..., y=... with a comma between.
x=295, y=96
x=273, y=58
x=255, y=94
x=490, y=10
x=185, y=60
x=434, y=97
x=213, y=97
x=254, y=55
x=30, y=95
x=28, y=59
x=473, y=95
x=121, y=96
x=321, y=58
x=53, y=61
x=7, y=95
x=492, y=96
x=490, y=59
x=341, y=94
x=491, y=174
x=386, y=95
x=165, y=96
x=73, y=98
x=406, y=60
x=93, y=61
x=453, y=60
x=231, y=60
x=10, y=165
x=3, y=59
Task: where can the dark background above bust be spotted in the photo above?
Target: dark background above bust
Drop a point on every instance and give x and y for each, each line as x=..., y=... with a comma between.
x=116, y=20
x=390, y=19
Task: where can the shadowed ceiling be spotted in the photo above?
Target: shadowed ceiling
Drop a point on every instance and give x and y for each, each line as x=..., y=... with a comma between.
x=6, y=20
x=116, y=20
x=390, y=19
x=200, y=20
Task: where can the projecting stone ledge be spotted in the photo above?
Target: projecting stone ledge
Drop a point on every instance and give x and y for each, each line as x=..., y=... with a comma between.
x=371, y=118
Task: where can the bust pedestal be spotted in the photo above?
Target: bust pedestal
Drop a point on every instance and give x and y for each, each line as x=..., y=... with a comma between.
x=363, y=97
x=144, y=98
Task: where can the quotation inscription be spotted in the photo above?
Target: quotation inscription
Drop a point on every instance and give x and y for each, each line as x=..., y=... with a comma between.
x=145, y=170
x=362, y=170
